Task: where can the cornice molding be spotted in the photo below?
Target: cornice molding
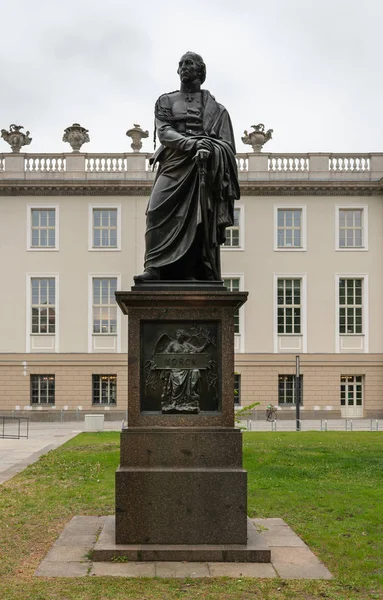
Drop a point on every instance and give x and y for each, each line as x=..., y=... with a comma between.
x=75, y=188
x=311, y=188
x=11, y=187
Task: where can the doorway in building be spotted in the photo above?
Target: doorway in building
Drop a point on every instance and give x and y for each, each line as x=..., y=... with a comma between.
x=351, y=396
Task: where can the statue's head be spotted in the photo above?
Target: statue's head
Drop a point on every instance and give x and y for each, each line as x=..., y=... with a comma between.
x=191, y=67
x=181, y=335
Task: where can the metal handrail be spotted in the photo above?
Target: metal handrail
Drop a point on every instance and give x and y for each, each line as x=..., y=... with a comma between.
x=12, y=436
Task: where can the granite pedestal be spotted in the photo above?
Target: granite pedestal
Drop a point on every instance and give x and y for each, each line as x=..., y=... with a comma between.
x=181, y=491
x=187, y=484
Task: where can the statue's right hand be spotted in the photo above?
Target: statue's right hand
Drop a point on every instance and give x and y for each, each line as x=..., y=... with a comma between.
x=202, y=155
x=203, y=145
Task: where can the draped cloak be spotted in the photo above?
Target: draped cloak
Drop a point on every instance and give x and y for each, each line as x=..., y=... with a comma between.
x=174, y=213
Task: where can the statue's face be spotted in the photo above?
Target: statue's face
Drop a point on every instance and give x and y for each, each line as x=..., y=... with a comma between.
x=187, y=68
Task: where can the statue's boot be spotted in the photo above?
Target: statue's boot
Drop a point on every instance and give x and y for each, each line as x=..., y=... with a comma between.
x=150, y=274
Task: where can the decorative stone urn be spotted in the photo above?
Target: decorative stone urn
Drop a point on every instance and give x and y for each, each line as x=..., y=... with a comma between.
x=137, y=134
x=16, y=138
x=258, y=137
x=76, y=136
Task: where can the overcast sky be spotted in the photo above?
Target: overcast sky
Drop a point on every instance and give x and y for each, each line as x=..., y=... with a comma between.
x=309, y=69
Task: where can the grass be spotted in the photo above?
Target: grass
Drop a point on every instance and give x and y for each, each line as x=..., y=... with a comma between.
x=327, y=486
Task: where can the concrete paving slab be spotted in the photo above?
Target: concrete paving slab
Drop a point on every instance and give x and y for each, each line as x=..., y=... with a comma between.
x=261, y=570
x=67, y=554
x=277, y=533
x=288, y=571
x=107, y=569
x=66, y=539
x=299, y=556
x=63, y=569
x=182, y=569
x=78, y=526
x=299, y=564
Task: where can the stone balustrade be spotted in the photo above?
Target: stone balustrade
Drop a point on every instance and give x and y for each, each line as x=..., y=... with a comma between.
x=288, y=162
x=261, y=166
x=37, y=163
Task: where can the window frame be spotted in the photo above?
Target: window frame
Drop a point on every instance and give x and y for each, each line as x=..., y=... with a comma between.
x=105, y=206
x=291, y=404
x=40, y=206
x=117, y=335
x=97, y=377
x=303, y=209
x=354, y=383
x=365, y=311
x=303, y=334
x=364, y=209
x=241, y=229
x=39, y=378
x=351, y=322
x=284, y=306
x=28, y=312
x=241, y=310
x=237, y=387
x=40, y=306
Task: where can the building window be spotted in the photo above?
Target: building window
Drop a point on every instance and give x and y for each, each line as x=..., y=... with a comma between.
x=42, y=389
x=104, y=305
x=232, y=284
x=232, y=234
x=351, y=390
x=289, y=228
x=289, y=306
x=43, y=305
x=350, y=306
x=286, y=390
x=104, y=389
x=351, y=228
x=43, y=228
x=237, y=389
x=104, y=228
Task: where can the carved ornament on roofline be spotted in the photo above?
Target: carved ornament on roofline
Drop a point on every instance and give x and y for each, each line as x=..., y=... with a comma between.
x=257, y=138
x=137, y=134
x=15, y=137
x=76, y=136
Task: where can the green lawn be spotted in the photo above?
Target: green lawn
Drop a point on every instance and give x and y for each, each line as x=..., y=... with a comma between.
x=328, y=486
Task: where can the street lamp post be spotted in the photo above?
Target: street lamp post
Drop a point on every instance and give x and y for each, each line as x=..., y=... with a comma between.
x=297, y=394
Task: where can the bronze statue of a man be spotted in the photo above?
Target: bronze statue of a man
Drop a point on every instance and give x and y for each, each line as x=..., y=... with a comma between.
x=192, y=200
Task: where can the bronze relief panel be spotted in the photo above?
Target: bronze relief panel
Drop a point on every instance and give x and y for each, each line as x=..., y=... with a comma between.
x=180, y=367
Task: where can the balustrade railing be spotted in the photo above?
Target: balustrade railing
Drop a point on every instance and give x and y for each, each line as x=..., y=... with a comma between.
x=349, y=162
x=105, y=163
x=44, y=163
x=242, y=162
x=296, y=165
x=289, y=163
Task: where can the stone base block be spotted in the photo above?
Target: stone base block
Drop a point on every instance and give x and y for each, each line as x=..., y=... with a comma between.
x=181, y=485
x=255, y=550
x=164, y=505
x=181, y=447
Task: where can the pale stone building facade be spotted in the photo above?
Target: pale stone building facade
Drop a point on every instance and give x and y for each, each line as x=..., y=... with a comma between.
x=307, y=245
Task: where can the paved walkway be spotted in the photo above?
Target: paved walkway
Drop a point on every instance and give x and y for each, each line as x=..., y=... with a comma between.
x=16, y=454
